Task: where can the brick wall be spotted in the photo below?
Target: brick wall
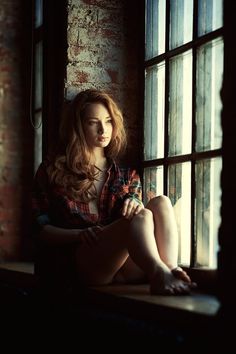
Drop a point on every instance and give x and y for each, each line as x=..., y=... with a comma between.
x=15, y=130
x=104, y=51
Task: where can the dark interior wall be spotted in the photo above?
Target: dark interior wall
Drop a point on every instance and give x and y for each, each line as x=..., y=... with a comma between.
x=16, y=134
x=227, y=235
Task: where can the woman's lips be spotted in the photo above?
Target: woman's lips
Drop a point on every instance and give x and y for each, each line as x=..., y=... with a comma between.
x=102, y=139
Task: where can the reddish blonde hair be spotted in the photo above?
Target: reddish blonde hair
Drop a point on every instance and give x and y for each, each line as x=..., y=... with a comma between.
x=73, y=168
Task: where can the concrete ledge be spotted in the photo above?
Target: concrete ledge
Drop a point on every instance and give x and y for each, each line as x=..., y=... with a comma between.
x=124, y=313
x=19, y=274
x=186, y=311
x=131, y=300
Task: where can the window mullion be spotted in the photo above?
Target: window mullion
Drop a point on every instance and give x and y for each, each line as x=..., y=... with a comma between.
x=193, y=253
x=166, y=136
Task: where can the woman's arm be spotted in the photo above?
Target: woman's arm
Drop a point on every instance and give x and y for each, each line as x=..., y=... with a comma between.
x=43, y=229
x=58, y=236
x=42, y=225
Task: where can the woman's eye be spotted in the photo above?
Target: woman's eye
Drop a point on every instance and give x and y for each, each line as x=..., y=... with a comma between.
x=93, y=122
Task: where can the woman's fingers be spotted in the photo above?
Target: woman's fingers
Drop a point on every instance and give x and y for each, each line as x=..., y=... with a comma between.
x=125, y=207
x=138, y=209
x=131, y=207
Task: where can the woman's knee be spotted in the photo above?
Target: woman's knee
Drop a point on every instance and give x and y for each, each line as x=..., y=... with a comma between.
x=144, y=215
x=160, y=201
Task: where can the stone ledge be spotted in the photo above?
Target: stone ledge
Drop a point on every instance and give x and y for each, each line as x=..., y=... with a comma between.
x=129, y=300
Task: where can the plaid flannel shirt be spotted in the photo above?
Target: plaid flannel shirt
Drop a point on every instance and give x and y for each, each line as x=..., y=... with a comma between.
x=52, y=206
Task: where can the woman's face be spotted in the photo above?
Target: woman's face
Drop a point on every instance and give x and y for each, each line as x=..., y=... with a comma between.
x=97, y=124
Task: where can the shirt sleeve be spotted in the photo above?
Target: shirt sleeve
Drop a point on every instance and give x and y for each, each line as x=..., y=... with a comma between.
x=127, y=185
x=40, y=198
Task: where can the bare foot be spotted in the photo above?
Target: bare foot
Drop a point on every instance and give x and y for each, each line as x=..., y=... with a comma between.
x=179, y=273
x=164, y=282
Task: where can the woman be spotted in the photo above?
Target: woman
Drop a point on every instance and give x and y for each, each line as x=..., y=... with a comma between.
x=83, y=200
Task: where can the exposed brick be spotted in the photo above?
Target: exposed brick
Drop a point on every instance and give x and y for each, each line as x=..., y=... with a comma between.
x=102, y=42
x=15, y=130
x=107, y=4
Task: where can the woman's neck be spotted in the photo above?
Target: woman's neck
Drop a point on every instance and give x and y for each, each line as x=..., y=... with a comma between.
x=100, y=159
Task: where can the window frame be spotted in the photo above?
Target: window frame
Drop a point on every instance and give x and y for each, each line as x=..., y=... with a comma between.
x=53, y=35
x=194, y=156
x=36, y=77
x=54, y=68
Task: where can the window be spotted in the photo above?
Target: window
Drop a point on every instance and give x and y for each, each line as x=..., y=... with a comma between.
x=37, y=79
x=49, y=58
x=182, y=124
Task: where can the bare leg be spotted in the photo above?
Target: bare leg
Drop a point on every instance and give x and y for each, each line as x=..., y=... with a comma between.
x=166, y=234
x=100, y=262
x=143, y=249
x=130, y=273
x=165, y=230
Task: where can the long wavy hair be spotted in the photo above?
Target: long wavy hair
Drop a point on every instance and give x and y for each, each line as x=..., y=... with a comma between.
x=72, y=167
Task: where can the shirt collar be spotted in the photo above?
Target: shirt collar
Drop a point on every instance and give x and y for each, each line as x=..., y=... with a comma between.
x=112, y=165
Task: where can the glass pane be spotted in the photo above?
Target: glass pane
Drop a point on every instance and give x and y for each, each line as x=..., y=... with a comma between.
x=181, y=22
x=37, y=140
x=207, y=204
x=179, y=192
x=180, y=104
x=208, y=101
x=153, y=183
x=38, y=75
x=210, y=15
x=38, y=13
x=155, y=27
x=154, y=112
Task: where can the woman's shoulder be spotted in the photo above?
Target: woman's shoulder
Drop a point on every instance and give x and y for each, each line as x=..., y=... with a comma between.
x=42, y=170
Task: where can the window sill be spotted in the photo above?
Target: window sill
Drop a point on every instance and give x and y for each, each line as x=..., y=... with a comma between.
x=134, y=301
x=206, y=279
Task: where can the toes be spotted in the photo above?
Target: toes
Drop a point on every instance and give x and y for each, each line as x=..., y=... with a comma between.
x=177, y=282
x=162, y=290
x=193, y=285
x=184, y=289
x=169, y=290
x=181, y=289
x=179, y=273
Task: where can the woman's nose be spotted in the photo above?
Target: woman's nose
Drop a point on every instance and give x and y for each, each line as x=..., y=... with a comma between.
x=101, y=128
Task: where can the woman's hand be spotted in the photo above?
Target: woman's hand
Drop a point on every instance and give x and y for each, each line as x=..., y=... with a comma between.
x=131, y=207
